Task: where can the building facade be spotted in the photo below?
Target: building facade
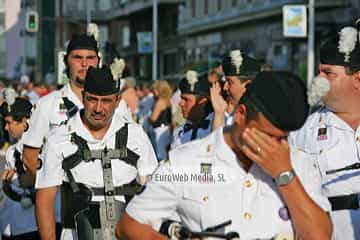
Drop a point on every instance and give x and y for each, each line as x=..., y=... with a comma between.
x=125, y=31
x=17, y=47
x=213, y=27
x=197, y=33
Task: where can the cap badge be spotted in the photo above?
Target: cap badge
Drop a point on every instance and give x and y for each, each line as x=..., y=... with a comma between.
x=236, y=60
x=192, y=78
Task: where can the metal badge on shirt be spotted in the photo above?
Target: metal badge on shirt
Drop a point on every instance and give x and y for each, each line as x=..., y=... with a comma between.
x=62, y=108
x=322, y=134
x=205, y=168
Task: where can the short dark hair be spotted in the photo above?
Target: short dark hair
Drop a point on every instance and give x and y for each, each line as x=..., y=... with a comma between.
x=252, y=112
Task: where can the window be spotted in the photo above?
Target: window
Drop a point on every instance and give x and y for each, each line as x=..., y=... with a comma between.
x=220, y=5
x=234, y=3
x=169, y=63
x=193, y=7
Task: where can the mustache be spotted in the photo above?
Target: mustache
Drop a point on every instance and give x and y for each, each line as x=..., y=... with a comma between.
x=98, y=114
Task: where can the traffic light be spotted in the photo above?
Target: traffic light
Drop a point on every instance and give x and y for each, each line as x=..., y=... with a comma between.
x=32, y=21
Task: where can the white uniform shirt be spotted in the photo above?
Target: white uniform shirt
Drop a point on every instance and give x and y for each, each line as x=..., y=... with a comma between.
x=50, y=112
x=336, y=145
x=180, y=136
x=90, y=173
x=14, y=219
x=250, y=199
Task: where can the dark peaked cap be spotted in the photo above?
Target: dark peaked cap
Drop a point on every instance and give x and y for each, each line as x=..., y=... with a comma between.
x=281, y=97
x=20, y=108
x=82, y=41
x=100, y=81
x=201, y=87
x=329, y=54
x=249, y=66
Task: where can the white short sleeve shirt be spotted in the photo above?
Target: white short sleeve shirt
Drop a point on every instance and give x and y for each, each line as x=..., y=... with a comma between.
x=90, y=173
x=335, y=145
x=250, y=199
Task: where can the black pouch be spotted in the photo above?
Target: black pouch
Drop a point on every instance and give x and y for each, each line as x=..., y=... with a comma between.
x=72, y=203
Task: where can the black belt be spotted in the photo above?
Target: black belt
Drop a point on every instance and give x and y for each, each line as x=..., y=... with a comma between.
x=344, y=202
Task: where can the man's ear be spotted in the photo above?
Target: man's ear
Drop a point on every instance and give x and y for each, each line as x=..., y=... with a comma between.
x=240, y=114
x=356, y=76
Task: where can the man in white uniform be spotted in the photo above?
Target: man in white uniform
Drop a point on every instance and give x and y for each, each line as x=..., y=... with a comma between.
x=54, y=109
x=243, y=173
x=333, y=133
x=57, y=107
x=195, y=107
x=239, y=69
x=96, y=159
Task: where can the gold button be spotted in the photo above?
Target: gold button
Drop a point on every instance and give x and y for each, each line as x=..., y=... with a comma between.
x=358, y=139
x=247, y=216
x=248, y=183
x=208, y=148
x=205, y=198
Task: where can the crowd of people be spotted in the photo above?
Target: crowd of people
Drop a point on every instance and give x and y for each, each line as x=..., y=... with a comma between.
x=234, y=153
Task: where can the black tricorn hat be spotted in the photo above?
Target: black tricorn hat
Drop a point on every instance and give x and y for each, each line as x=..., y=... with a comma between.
x=238, y=64
x=100, y=81
x=19, y=108
x=196, y=84
x=281, y=97
x=343, y=49
x=82, y=41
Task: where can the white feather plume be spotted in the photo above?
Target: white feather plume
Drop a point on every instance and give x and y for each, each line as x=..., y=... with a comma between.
x=192, y=78
x=93, y=30
x=117, y=68
x=347, y=41
x=236, y=59
x=319, y=88
x=9, y=96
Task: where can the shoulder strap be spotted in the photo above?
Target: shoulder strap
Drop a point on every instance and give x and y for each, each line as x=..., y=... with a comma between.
x=82, y=154
x=18, y=163
x=121, y=140
x=70, y=107
x=126, y=154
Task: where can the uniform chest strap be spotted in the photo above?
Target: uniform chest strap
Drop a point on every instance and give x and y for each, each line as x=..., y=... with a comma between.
x=85, y=154
x=344, y=202
x=71, y=108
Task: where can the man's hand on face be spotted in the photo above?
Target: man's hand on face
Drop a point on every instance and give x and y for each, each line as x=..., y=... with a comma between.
x=217, y=101
x=271, y=154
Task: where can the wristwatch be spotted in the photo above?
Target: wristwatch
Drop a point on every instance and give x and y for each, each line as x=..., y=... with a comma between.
x=284, y=178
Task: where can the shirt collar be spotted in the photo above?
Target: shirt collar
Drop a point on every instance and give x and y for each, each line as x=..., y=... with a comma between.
x=329, y=118
x=68, y=92
x=221, y=148
x=77, y=125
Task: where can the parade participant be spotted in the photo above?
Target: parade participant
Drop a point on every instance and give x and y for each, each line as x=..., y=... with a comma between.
x=239, y=69
x=245, y=173
x=97, y=159
x=161, y=118
x=195, y=107
x=55, y=108
x=146, y=105
x=17, y=212
x=333, y=134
